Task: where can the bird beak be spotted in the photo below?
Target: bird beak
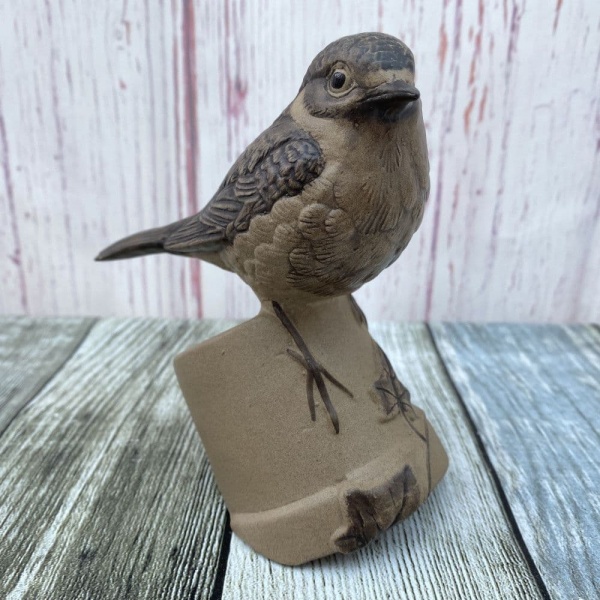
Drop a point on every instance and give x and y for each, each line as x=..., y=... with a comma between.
x=392, y=93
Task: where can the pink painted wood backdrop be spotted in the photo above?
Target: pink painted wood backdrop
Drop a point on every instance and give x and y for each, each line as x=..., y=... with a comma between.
x=121, y=115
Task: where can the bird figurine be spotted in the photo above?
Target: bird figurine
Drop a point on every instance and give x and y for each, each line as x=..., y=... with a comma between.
x=325, y=198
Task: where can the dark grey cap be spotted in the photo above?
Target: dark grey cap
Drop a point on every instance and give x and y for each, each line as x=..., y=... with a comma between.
x=370, y=51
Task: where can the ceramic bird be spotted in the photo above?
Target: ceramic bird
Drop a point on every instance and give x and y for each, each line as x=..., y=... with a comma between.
x=326, y=197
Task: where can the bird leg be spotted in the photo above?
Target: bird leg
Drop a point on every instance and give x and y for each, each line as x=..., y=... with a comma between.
x=315, y=373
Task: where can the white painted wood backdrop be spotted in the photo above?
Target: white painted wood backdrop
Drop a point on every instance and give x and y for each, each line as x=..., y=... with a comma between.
x=122, y=115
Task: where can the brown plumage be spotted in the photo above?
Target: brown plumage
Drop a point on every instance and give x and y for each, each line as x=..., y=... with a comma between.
x=326, y=197
x=322, y=200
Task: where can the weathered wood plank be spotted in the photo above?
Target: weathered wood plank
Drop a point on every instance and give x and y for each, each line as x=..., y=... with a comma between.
x=136, y=109
x=458, y=545
x=534, y=395
x=31, y=351
x=105, y=487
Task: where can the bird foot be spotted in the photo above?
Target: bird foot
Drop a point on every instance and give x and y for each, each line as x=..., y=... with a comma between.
x=315, y=372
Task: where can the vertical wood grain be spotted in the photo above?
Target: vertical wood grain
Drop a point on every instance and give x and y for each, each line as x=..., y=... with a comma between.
x=31, y=352
x=123, y=115
x=106, y=489
x=534, y=396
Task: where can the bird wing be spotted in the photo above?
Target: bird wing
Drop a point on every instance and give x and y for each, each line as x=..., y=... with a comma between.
x=279, y=163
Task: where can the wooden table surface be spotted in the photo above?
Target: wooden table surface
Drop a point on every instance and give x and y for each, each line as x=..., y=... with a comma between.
x=106, y=492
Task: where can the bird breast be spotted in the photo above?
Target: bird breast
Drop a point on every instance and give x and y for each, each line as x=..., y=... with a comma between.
x=348, y=224
x=382, y=182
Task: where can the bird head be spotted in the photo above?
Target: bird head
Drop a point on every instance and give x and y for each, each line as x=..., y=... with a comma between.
x=368, y=75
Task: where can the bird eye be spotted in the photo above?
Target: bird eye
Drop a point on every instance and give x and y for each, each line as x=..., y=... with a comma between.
x=340, y=81
x=337, y=80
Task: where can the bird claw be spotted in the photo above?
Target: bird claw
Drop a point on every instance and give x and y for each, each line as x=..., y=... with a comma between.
x=297, y=356
x=315, y=372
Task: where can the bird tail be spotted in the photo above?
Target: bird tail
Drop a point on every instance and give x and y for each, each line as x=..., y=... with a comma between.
x=151, y=241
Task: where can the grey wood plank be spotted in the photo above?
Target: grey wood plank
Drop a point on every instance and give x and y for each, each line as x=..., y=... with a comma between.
x=534, y=395
x=458, y=545
x=106, y=490
x=31, y=351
